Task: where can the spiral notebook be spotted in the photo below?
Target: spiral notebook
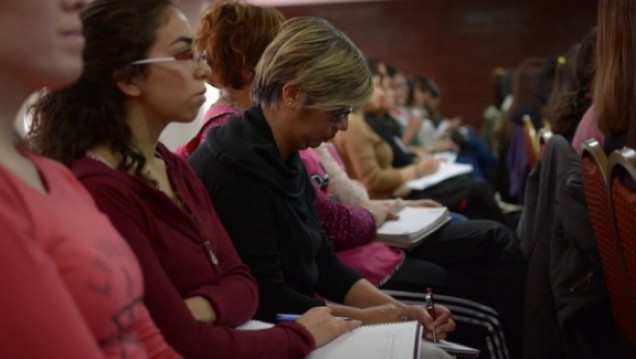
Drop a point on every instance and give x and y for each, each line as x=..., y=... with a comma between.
x=444, y=172
x=382, y=341
x=413, y=226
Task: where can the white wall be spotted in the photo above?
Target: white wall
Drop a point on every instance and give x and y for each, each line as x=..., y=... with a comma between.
x=179, y=133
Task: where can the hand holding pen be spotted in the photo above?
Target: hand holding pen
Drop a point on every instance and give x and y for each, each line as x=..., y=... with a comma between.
x=437, y=320
x=430, y=307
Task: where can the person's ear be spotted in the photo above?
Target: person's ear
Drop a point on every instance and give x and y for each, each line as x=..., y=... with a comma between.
x=126, y=83
x=291, y=93
x=248, y=76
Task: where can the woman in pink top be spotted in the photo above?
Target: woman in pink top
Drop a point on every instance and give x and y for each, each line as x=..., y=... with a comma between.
x=71, y=287
x=586, y=129
x=141, y=74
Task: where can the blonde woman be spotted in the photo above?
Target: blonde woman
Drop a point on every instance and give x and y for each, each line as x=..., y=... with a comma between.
x=305, y=85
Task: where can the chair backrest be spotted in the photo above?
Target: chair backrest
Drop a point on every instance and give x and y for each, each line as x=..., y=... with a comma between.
x=530, y=140
x=599, y=204
x=544, y=136
x=622, y=183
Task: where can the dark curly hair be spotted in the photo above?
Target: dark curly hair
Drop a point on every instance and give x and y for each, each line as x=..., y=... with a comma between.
x=568, y=106
x=235, y=34
x=68, y=122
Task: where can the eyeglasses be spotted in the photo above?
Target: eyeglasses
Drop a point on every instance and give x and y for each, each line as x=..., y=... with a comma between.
x=190, y=55
x=341, y=114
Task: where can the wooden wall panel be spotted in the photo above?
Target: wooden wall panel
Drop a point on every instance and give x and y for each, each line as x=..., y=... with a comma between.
x=459, y=42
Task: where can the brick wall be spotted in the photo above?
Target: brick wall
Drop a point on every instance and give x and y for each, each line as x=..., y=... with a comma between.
x=459, y=42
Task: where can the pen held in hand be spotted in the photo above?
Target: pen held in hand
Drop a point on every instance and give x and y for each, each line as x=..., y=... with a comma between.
x=430, y=307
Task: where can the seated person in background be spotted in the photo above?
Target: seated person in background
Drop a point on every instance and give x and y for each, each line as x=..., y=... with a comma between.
x=480, y=260
x=585, y=124
x=235, y=56
x=143, y=73
x=586, y=129
x=251, y=169
x=429, y=129
x=530, y=88
x=233, y=53
x=411, y=97
x=570, y=101
x=374, y=154
x=613, y=93
x=232, y=58
x=71, y=287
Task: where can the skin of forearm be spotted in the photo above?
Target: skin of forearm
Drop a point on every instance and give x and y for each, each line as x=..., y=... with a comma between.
x=409, y=173
x=363, y=294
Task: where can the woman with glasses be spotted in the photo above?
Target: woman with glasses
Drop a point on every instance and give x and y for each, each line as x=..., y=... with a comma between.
x=141, y=73
x=71, y=287
x=306, y=82
x=235, y=34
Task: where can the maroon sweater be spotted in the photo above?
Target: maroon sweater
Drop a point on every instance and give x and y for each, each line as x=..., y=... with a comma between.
x=188, y=253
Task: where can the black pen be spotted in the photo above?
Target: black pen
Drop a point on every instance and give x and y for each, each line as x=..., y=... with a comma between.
x=430, y=306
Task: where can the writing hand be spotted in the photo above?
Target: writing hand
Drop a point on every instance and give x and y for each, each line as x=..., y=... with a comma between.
x=323, y=326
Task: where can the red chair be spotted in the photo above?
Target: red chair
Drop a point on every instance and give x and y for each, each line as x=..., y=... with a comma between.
x=599, y=204
x=622, y=184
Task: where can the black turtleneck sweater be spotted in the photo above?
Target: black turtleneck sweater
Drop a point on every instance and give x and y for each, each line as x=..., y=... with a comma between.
x=268, y=207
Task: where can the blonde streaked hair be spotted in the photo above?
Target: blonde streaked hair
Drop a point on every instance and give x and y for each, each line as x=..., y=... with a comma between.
x=328, y=67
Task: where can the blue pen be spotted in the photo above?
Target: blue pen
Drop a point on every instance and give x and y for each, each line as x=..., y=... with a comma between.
x=292, y=317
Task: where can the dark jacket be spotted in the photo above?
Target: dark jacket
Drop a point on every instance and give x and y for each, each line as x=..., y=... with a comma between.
x=268, y=208
x=567, y=312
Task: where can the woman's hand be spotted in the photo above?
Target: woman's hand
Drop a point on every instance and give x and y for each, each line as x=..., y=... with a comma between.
x=442, y=325
x=386, y=313
x=389, y=313
x=423, y=203
x=454, y=123
x=446, y=144
x=420, y=152
x=381, y=211
x=201, y=309
x=427, y=165
x=396, y=205
x=323, y=326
